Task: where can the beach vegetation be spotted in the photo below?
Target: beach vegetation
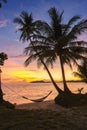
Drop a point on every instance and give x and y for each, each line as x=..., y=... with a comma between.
x=82, y=71
x=3, y=57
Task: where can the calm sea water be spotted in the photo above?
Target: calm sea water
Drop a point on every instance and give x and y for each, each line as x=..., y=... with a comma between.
x=14, y=91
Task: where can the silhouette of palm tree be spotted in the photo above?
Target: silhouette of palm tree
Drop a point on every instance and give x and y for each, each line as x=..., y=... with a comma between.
x=60, y=41
x=29, y=31
x=3, y=57
x=50, y=42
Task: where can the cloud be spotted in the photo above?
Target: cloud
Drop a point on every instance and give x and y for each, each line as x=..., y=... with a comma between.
x=4, y=23
x=17, y=27
x=18, y=56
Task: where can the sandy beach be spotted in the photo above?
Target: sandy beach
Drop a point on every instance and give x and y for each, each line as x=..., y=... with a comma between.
x=46, y=105
x=43, y=116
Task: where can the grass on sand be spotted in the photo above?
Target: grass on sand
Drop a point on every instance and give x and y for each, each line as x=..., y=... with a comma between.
x=71, y=119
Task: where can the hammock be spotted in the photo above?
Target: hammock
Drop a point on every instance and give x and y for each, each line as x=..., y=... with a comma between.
x=39, y=99
x=34, y=100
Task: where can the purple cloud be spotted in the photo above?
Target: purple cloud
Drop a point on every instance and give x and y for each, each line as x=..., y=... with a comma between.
x=3, y=23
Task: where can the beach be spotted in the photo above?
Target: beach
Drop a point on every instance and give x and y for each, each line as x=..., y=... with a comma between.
x=43, y=115
x=45, y=105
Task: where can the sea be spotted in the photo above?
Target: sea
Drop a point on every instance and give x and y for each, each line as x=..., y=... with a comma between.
x=15, y=92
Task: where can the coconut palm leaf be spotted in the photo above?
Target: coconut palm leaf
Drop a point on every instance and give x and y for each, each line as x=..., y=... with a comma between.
x=3, y=57
x=70, y=23
x=82, y=71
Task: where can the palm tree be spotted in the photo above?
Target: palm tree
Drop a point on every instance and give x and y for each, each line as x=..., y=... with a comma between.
x=3, y=57
x=60, y=41
x=29, y=32
x=82, y=71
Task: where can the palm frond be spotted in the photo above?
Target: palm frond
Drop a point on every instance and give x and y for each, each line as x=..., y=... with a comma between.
x=79, y=28
x=18, y=21
x=61, y=17
x=5, y=1
x=82, y=70
x=24, y=15
x=30, y=59
x=55, y=22
x=70, y=23
x=78, y=43
x=54, y=15
x=77, y=74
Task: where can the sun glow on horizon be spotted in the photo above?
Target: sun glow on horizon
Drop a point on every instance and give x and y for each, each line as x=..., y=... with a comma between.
x=14, y=70
x=30, y=76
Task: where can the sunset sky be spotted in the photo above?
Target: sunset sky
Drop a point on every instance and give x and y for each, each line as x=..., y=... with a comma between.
x=14, y=68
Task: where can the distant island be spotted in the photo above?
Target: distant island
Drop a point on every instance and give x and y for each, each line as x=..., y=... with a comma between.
x=42, y=81
x=39, y=81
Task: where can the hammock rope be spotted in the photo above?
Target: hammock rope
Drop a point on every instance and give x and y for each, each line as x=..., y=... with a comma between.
x=41, y=99
x=12, y=90
x=24, y=97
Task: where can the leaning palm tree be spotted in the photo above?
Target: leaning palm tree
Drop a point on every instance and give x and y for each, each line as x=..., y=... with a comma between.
x=82, y=71
x=30, y=32
x=60, y=41
x=3, y=57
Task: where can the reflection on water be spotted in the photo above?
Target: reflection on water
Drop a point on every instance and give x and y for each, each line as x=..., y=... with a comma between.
x=14, y=92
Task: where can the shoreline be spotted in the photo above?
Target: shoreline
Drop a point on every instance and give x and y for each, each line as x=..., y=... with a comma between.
x=45, y=105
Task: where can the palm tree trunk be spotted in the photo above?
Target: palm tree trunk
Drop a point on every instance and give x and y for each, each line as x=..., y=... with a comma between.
x=66, y=89
x=54, y=83
x=1, y=93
